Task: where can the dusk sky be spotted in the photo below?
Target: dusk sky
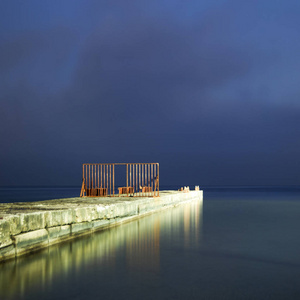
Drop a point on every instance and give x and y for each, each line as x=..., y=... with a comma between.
x=209, y=89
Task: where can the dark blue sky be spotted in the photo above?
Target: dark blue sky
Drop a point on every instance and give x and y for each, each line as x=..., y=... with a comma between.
x=209, y=89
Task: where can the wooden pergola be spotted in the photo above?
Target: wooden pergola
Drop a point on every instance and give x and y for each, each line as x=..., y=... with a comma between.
x=142, y=180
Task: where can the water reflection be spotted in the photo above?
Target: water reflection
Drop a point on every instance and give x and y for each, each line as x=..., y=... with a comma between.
x=136, y=245
x=192, y=219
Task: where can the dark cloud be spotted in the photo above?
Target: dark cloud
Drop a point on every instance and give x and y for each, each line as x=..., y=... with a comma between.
x=204, y=90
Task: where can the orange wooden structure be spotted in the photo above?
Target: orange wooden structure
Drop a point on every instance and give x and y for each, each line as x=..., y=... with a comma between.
x=142, y=180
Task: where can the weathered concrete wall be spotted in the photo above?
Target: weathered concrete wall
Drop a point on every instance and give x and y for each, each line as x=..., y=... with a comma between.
x=27, y=227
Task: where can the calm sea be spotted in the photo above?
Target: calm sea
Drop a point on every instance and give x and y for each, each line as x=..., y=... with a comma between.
x=239, y=243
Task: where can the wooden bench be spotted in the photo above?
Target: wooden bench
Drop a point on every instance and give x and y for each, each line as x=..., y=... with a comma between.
x=146, y=189
x=96, y=192
x=125, y=190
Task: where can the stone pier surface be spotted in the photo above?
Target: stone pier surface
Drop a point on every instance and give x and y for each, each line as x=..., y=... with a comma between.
x=30, y=226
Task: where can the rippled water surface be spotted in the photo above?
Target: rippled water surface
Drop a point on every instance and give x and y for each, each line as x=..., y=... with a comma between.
x=236, y=244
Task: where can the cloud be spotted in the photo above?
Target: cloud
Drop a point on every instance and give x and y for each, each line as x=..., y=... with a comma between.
x=36, y=58
x=195, y=88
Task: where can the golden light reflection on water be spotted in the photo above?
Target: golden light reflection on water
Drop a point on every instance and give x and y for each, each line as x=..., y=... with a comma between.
x=142, y=246
x=138, y=243
x=192, y=219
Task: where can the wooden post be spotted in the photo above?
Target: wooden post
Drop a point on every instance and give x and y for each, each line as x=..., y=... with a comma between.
x=113, y=180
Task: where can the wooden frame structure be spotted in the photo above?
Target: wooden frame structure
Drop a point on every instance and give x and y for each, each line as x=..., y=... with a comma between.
x=142, y=180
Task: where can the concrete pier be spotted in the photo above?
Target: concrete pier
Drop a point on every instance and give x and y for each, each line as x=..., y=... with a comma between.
x=30, y=226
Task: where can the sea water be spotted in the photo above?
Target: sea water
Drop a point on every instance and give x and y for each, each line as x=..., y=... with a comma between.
x=238, y=243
